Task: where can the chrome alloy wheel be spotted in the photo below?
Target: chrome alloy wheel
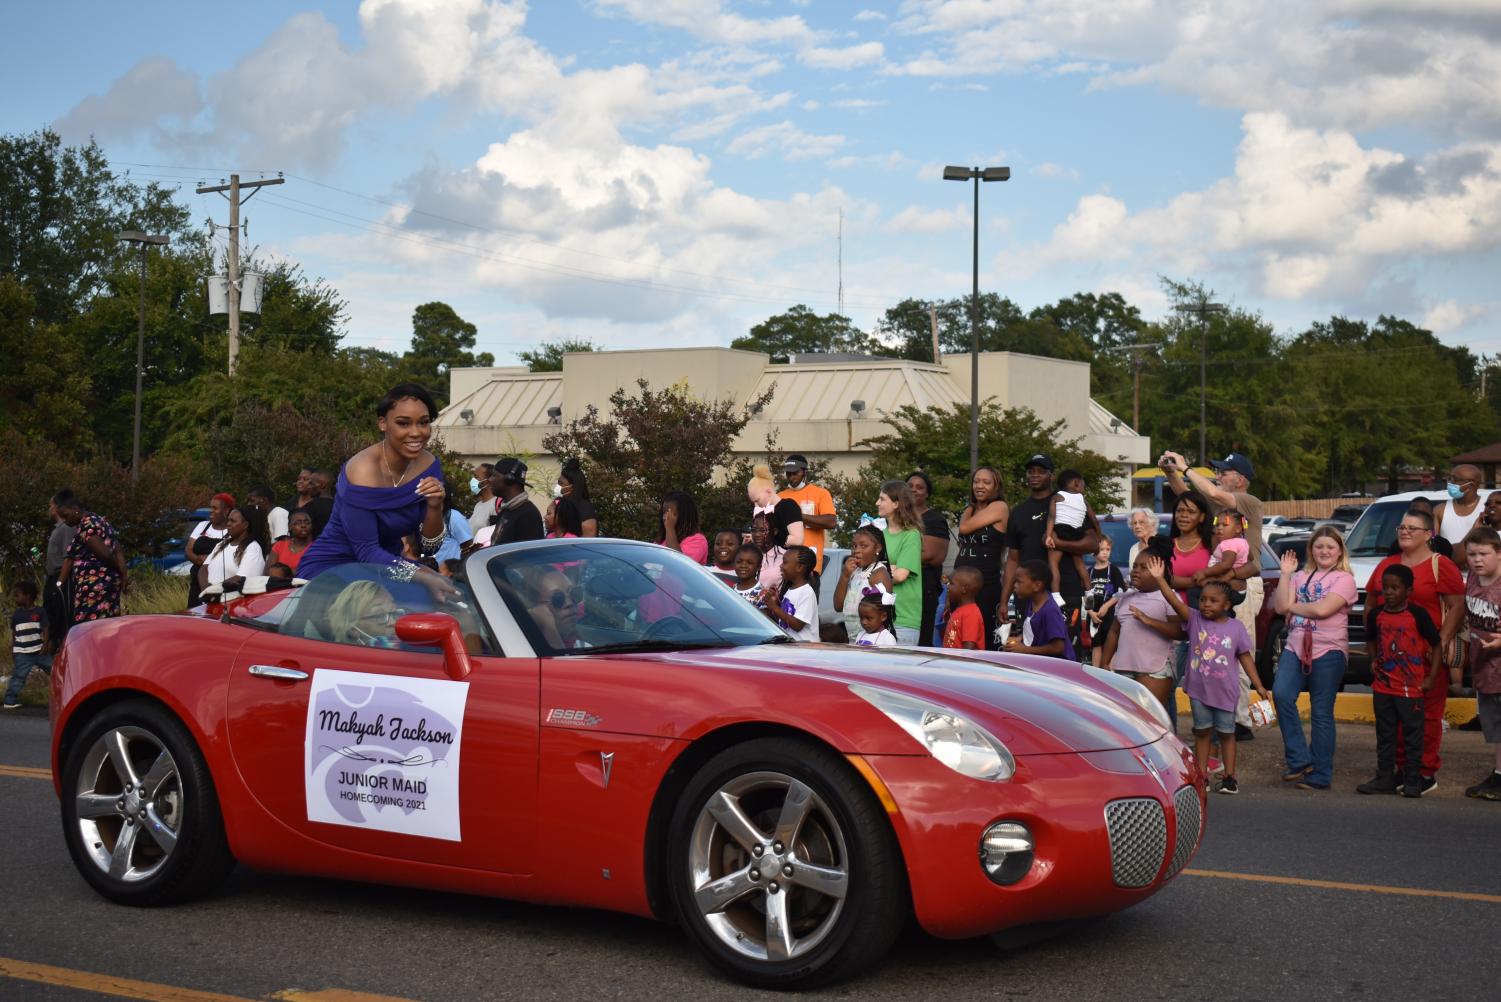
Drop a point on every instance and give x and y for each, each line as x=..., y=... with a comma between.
x=129, y=804
x=768, y=866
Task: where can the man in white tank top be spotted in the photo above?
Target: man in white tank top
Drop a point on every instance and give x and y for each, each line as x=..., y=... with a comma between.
x=1453, y=519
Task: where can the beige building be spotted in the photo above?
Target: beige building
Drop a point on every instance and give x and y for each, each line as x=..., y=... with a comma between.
x=823, y=407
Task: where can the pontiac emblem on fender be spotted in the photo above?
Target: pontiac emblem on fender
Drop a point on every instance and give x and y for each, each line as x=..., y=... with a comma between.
x=606, y=763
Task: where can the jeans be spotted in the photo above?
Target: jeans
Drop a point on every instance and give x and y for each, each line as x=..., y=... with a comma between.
x=24, y=663
x=1399, y=725
x=907, y=636
x=1322, y=684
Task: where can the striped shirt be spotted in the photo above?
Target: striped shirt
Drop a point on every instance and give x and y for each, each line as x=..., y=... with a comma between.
x=28, y=628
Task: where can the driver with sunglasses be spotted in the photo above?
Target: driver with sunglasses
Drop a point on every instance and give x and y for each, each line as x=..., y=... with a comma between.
x=556, y=610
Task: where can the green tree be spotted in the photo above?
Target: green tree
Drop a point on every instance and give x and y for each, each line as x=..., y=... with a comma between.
x=648, y=444
x=800, y=331
x=297, y=313
x=441, y=340
x=936, y=441
x=549, y=356
x=61, y=210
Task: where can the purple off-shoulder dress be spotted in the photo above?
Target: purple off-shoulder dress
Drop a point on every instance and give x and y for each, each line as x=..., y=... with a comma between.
x=367, y=525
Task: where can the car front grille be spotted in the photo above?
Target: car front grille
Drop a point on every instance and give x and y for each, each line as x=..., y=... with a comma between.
x=1190, y=817
x=1138, y=840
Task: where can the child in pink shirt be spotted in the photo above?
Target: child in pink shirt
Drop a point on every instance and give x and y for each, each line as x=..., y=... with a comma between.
x=1231, y=551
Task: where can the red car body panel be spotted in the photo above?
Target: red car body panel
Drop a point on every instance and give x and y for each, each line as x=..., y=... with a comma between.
x=542, y=822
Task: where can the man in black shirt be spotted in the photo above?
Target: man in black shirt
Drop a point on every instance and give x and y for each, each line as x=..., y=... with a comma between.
x=516, y=519
x=1025, y=531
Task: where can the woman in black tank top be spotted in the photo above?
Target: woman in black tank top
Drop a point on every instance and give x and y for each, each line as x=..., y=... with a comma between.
x=982, y=541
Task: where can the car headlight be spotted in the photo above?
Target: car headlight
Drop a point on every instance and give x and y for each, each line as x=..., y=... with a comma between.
x=1139, y=694
x=963, y=746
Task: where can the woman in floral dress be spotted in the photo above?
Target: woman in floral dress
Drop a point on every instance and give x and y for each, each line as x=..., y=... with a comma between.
x=95, y=567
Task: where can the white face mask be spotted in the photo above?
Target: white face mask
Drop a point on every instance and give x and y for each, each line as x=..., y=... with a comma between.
x=557, y=490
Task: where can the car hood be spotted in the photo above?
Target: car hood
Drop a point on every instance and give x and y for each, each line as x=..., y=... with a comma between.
x=1035, y=705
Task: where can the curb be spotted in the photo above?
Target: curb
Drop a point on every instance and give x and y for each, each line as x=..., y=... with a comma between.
x=1355, y=708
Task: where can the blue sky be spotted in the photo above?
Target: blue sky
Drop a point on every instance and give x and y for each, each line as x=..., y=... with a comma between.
x=668, y=172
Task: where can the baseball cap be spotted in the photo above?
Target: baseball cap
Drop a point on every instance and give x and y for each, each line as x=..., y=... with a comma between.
x=511, y=469
x=1235, y=461
x=795, y=462
x=1040, y=460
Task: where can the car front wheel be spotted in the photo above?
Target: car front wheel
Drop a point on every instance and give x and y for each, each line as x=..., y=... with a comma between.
x=140, y=815
x=784, y=867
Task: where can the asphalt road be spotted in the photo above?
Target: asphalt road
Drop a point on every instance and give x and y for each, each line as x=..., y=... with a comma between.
x=1205, y=936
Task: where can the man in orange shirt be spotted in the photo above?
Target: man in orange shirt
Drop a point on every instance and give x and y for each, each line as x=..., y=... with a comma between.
x=817, y=505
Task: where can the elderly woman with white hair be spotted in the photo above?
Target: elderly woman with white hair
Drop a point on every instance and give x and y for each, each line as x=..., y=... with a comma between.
x=1143, y=523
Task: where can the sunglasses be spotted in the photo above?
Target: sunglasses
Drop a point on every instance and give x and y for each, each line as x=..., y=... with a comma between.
x=561, y=599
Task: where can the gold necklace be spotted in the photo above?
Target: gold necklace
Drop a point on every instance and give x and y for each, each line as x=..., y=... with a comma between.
x=395, y=480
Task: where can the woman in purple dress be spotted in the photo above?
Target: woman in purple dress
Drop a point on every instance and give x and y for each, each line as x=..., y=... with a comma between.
x=386, y=492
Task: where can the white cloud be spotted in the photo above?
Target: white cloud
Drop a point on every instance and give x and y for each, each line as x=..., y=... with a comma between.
x=1307, y=214
x=1352, y=64
x=894, y=160
x=153, y=90
x=870, y=15
x=1449, y=316
x=708, y=19
x=785, y=139
x=916, y=219
x=849, y=57
x=1054, y=172
x=858, y=103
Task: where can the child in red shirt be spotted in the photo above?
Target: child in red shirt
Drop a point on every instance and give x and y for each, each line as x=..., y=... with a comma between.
x=965, y=626
x=1405, y=663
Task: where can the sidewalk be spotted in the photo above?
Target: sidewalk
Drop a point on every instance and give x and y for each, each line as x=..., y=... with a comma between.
x=1466, y=760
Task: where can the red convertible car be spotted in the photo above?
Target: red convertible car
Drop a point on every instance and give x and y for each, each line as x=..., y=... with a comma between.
x=600, y=723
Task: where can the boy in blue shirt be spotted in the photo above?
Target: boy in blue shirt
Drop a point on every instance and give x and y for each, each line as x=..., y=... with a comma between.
x=29, y=642
x=1044, y=630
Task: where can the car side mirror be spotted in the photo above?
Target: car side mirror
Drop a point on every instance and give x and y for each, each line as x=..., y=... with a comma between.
x=435, y=629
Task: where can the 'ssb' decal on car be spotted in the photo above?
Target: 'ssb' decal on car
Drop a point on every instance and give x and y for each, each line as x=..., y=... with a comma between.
x=572, y=718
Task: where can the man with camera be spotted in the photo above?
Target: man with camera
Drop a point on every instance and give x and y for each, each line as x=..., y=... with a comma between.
x=1231, y=489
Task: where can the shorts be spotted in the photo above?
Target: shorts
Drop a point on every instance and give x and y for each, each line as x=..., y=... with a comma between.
x=1071, y=533
x=1489, y=706
x=1206, y=716
x=1168, y=668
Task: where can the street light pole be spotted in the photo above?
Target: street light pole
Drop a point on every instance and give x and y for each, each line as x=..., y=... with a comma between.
x=1204, y=308
x=977, y=174
x=143, y=241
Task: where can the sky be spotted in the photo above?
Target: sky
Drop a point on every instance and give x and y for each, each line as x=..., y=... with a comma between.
x=660, y=173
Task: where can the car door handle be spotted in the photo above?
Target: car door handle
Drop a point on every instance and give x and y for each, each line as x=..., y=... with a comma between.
x=278, y=672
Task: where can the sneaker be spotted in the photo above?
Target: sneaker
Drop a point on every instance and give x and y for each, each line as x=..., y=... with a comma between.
x=12, y=706
x=1473, y=724
x=1425, y=784
x=1316, y=787
x=1382, y=782
x=1215, y=765
x=1293, y=775
x=1228, y=786
x=1488, y=788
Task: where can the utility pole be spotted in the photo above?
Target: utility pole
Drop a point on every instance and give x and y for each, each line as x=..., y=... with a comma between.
x=1203, y=308
x=933, y=326
x=1136, y=352
x=144, y=241
x=231, y=191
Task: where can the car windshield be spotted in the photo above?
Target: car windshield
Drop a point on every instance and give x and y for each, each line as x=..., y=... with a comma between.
x=359, y=604
x=595, y=596
x=1373, y=534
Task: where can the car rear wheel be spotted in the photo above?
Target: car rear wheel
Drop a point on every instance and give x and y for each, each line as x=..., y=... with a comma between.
x=784, y=867
x=140, y=815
